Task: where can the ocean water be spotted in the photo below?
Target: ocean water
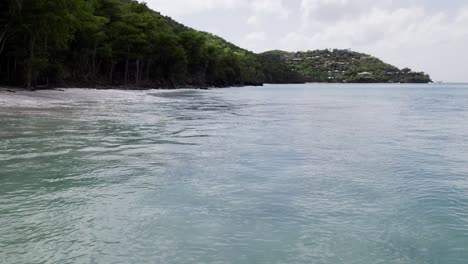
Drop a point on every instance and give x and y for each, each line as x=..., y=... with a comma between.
x=312, y=173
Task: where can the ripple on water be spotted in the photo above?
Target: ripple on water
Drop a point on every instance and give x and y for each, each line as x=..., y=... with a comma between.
x=279, y=174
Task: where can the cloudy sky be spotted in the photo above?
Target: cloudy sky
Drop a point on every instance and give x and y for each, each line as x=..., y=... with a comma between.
x=426, y=35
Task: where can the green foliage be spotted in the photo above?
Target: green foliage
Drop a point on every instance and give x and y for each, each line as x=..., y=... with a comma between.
x=278, y=71
x=112, y=42
x=343, y=66
x=124, y=43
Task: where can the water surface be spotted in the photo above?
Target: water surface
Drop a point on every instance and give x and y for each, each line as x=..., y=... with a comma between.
x=311, y=173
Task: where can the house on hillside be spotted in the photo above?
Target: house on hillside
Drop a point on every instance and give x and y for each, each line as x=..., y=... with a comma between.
x=364, y=74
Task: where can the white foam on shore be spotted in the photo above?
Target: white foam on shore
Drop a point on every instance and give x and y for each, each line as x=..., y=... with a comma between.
x=73, y=96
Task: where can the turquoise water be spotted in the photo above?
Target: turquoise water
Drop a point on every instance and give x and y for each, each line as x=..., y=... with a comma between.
x=312, y=173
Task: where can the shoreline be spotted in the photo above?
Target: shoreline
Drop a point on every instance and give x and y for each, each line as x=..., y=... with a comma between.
x=14, y=89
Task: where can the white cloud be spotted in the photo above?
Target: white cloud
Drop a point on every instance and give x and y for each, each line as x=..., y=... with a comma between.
x=263, y=10
x=254, y=20
x=331, y=10
x=270, y=7
x=184, y=7
x=252, y=40
x=178, y=8
x=403, y=35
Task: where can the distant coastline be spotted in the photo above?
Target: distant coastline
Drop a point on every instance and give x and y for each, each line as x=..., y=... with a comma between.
x=123, y=44
x=17, y=89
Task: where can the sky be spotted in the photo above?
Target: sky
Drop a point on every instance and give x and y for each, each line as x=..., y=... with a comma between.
x=425, y=35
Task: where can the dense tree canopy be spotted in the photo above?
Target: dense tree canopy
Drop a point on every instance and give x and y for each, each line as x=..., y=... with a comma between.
x=112, y=42
x=123, y=43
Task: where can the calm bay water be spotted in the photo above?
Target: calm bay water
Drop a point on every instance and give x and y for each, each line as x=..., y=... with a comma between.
x=277, y=174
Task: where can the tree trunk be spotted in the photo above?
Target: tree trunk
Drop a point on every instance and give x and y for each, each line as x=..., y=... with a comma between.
x=126, y=73
x=98, y=66
x=137, y=77
x=86, y=67
x=3, y=38
x=148, y=67
x=30, y=64
x=20, y=4
x=94, y=61
x=111, y=73
x=8, y=69
x=140, y=74
x=46, y=42
x=14, y=70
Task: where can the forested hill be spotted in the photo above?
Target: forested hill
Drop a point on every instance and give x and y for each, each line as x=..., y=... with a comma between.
x=341, y=66
x=123, y=43
x=113, y=43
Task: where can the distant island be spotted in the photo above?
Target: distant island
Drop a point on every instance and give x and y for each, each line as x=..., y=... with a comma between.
x=125, y=44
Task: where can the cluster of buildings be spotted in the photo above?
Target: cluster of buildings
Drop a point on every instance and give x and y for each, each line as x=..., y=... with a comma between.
x=334, y=62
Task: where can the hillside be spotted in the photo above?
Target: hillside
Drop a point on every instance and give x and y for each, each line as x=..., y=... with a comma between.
x=123, y=43
x=344, y=66
x=113, y=43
